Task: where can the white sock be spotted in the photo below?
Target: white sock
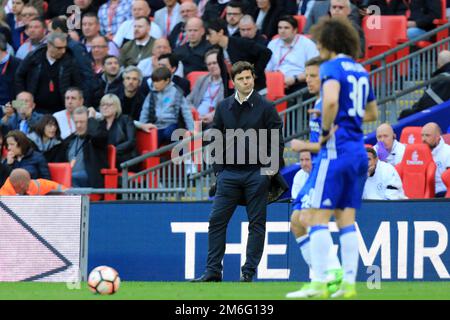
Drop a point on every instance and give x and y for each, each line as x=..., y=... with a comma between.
x=303, y=244
x=349, y=253
x=320, y=246
x=333, y=260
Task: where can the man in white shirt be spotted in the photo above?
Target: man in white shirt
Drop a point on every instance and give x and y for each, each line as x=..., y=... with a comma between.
x=383, y=181
x=168, y=17
x=302, y=175
x=73, y=99
x=290, y=51
x=388, y=148
x=140, y=8
x=431, y=135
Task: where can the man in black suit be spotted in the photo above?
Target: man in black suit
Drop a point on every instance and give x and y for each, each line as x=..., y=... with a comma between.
x=239, y=49
x=243, y=182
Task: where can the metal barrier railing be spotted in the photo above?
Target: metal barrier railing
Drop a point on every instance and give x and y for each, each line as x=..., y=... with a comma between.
x=394, y=82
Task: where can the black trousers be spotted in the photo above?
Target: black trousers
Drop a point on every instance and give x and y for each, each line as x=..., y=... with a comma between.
x=232, y=187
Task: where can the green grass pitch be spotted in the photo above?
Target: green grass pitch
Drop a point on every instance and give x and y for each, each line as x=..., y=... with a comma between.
x=214, y=291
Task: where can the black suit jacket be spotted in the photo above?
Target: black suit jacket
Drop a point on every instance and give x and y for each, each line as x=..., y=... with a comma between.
x=241, y=49
x=256, y=113
x=270, y=22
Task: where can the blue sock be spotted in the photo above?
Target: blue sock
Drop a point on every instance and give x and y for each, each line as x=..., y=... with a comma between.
x=349, y=252
x=321, y=243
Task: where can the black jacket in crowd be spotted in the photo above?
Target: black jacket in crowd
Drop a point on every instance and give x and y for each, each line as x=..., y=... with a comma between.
x=103, y=87
x=95, y=151
x=122, y=134
x=242, y=49
x=193, y=58
x=423, y=12
x=270, y=22
x=28, y=73
x=435, y=94
x=7, y=81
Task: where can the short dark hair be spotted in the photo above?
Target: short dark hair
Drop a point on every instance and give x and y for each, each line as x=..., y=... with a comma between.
x=236, y=4
x=46, y=119
x=217, y=25
x=289, y=19
x=90, y=14
x=40, y=20
x=21, y=139
x=316, y=61
x=337, y=35
x=161, y=73
x=173, y=59
x=241, y=66
x=143, y=18
x=109, y=56
x=372, y=151
x=60, y=23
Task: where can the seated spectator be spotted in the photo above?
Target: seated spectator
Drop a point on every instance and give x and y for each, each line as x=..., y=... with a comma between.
x=302, y=175
x=131, y=98
x=267, y=14
x=25, y=117
x=290, y=53
x=86, y=149
x=239, y=49
x=139, y=48
x=322, y=9
x=164, y=105
x=208, y=90
x=178, y=37
x=46, y=137
x=160, y=47
x=99, y=46
x=36, y=30
x=388, y=7
x=248, y=29
x=110, y=80
x=125, y=33
x=121, y=130
x=192, y=53
x=20, y=183
x=4, y=26
x=171, y=62
x=22, y=155
x=437, y=92
x=423, y=12
x=431, y=135
x=212, y=9
x=112, y=14
x=47, y=73
x=383, y=181
x=388, y=148
x=72, y=100
x=342, y=8
x=90, y=28
x=299, y=7
x=234, y=13
x=168, y=17
x=8, y=66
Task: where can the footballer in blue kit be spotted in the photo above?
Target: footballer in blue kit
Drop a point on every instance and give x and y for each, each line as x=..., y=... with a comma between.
x=341, y=171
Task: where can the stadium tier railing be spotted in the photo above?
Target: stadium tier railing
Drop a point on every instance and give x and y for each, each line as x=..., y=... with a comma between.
x=397, y=85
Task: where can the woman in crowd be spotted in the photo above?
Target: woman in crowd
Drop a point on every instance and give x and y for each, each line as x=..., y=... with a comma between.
x=22, y=155
x=46, y=137
x=121, y=130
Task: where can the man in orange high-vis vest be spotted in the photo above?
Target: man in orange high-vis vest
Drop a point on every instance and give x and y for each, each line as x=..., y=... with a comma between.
x=20, y=183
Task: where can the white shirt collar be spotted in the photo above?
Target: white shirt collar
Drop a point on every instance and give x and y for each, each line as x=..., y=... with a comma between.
x=236, y=96
x=142, y=43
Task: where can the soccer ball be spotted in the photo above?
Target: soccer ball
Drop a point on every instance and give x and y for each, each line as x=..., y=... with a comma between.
x=104, y=280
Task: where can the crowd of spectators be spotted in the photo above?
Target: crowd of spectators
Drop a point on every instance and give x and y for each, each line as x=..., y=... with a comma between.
x=74, y=81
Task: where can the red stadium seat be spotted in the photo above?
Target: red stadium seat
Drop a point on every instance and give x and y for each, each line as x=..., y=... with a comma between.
x=193, y=77
x=446, y=180
x=417, y=171
x=61, y=172
x=147, y=142
x=391, y=32
x=111, y=174
x=411, y=135
x=301, y=21
x=275, y=88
